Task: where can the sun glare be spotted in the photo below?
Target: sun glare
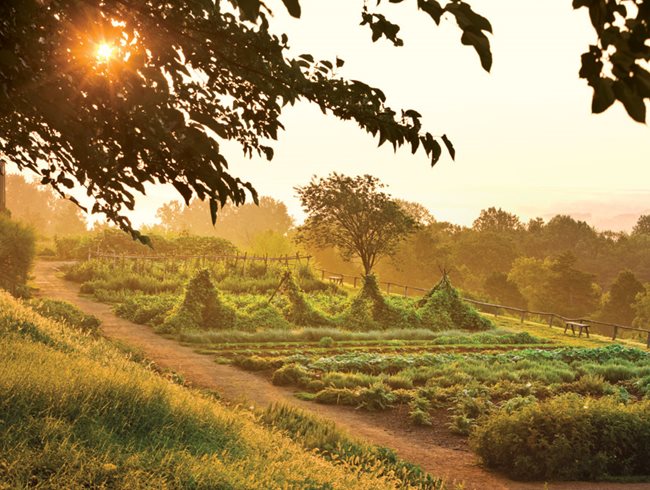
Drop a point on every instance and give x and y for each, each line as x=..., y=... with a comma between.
x=104, y=52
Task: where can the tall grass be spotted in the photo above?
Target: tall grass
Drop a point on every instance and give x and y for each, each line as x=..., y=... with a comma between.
x=76, y=413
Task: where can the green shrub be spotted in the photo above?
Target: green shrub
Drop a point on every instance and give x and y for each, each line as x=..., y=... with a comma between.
x=17, y=249
x=291, y=374
x=376, y=397
x=256, y=363
x=590, y=384
x=442, y=308
x=67, y=313
x=337, y=396
x=419, y=411
x=370, y=310
x=326, y=342
x=300, y=311
x=255, y=313
x=468, y=407
x=151, y=310
x=567, y=438
x=202, y=307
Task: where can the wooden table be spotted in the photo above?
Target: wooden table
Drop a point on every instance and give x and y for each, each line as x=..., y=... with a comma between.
x=336, y=280
x=579, y=326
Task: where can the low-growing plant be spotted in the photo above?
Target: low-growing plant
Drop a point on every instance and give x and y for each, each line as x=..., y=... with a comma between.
x=419, y=411
x=256, y=363
x=348, y=380
x=326, y=342
x=146, y=309
x=337, y=396
x=590, y=384
x=314, y=433
x=65, y=312
x=291, y=374
x=376, y=397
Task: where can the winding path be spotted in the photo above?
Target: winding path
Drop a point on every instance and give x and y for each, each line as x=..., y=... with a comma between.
x=238, y=386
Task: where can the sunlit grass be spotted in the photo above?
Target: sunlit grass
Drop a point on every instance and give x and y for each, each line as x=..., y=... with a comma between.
x=76, y=412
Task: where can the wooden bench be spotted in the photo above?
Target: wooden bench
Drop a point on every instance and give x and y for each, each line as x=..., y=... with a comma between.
x=336, y=280
x=579, y=326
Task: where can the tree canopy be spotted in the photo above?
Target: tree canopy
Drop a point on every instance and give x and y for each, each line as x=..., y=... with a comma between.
x=113, y=94
x=355, y=216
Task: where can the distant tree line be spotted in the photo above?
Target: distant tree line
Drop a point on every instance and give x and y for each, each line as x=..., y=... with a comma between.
x=562, y=265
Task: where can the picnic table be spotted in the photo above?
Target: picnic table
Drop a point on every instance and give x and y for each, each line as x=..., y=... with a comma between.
x=580, y=326
x=336, y=280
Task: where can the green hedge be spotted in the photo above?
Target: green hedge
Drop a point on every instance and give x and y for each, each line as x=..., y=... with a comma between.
x=568, y=438
x=16, y=256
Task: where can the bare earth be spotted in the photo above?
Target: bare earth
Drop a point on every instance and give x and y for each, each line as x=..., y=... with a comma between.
x=238, y=386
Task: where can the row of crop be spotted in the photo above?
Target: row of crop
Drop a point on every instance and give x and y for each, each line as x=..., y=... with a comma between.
x=483, y=392
x=492, y=378
x=270, y=352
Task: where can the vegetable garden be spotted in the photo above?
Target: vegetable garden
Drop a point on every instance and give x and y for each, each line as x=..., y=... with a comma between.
x=434, y=358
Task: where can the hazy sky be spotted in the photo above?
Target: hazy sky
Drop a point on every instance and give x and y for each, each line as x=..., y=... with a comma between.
x=525, y=138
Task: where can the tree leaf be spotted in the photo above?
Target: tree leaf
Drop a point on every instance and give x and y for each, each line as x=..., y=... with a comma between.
x=450, y=147
x=481, y=44
x=293, y=6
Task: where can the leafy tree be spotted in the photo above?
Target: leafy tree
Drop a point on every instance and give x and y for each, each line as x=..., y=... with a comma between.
x=352, y=214
x=176, y=77
x=420, y=214
x=241, y=225
x=554, y=284
x=16, y=255
x=622, y=295
x=483, y=253
x=39, y=207
x=569, y=291
x=560, y=234
x=504, y=291
x=496, y=220
x=642, y=226
x=642, y=309
x=535, y=225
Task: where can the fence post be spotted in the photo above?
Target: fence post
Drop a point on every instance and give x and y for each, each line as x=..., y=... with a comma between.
x=550, y=320
x=523, y=316
x=322, y=274
x=387, y=288
x=355, y=282
x=615, y=332
x=648, y=342
x=406, y=291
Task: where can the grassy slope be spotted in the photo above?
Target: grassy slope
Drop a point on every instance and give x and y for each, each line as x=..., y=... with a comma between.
x=75, y=412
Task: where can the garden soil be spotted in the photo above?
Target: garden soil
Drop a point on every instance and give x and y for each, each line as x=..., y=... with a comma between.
x=439, y=453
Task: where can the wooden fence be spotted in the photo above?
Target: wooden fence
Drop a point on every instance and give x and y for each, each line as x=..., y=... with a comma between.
x=522, y=314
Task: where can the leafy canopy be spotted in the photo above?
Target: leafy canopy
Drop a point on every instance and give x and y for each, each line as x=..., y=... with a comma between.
x=113, y=94
x=354, y=215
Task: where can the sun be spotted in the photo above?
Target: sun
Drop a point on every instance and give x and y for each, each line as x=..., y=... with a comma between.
x=104, y=52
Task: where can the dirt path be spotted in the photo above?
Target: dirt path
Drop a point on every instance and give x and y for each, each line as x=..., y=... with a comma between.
x=238, y=386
